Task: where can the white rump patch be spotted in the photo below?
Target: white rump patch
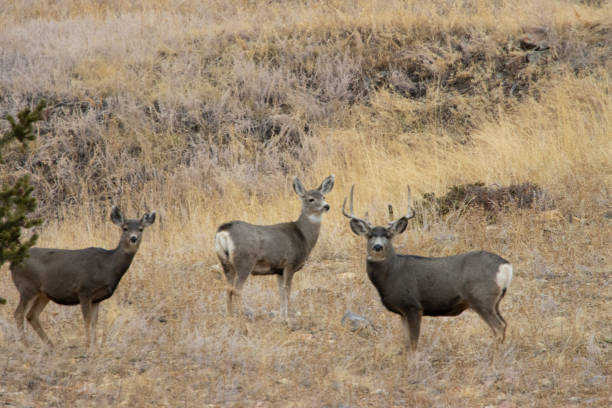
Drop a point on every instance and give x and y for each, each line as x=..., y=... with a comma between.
x=224, y=245
x=315, y=218
x=504, y=276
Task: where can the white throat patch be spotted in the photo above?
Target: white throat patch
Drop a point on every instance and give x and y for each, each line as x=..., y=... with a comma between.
x=314, y=218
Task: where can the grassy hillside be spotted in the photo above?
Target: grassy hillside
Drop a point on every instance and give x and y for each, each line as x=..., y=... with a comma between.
x=203, y=111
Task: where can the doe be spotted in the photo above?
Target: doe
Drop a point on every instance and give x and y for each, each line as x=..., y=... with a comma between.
x=279, y=249
x=71, y=277
x=415, y=286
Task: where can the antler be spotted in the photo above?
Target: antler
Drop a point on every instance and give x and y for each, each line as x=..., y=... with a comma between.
x=352, y=214
x=410, y=213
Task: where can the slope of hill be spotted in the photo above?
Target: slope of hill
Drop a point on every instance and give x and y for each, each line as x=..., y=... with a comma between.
x=203, y=111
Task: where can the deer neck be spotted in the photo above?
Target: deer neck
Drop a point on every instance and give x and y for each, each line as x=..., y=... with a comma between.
x=309, y=226
x=380, y=271
x=121, y=259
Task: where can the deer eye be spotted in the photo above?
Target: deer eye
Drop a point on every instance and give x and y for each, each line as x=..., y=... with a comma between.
x=311, y=200
x=125, y=228
x=140, y=229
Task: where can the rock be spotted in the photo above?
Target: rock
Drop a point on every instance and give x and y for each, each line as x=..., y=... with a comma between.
x=546, y=275
x=584, y=269
x=355, y=322
x=537, y=56
x=596, y=379
x=445, y=237
x=347, y=276
x=546, y=383
x=249, y=313
x=535, y=40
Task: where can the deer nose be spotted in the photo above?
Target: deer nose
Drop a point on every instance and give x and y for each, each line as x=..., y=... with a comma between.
x=133, y=239
x=326, y=207
x=377, y=247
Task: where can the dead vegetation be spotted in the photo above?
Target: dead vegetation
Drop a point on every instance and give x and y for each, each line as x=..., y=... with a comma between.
x=127, y=113
x=202, y=111
x=490, y=199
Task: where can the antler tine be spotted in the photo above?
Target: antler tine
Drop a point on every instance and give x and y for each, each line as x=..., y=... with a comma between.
x=411, y=212
x=344, y=208
x=352, y=214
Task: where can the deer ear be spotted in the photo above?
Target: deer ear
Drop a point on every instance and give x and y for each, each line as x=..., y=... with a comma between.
x=359, y=227
x=148, y=219
x=327, y=185
x=399, y=226
x=298, y=187
x=116, y=215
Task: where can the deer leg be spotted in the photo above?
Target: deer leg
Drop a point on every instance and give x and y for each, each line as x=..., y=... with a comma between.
x=230, y=295
x=86, y=309
x=411, y=322
x=26, y=301
x=282, y=292
x=284, y=288
x=492, y=319
x=32, y=316
x=94, y=321
x=238, y=293
x=243, y=270
x=505, y=325
x=19, y=316
x=406, y=330
x=230, y=276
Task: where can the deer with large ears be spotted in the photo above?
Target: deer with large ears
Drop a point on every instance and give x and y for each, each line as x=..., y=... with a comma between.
x=280, y=249
x=72, y=277
x=413, y=286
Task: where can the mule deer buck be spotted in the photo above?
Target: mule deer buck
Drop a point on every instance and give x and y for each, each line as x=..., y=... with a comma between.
x=414, y=286
x=279, y=249
x=71, y=277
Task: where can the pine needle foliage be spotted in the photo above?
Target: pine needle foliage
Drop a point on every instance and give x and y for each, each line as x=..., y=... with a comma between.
x=22, y=129
x=16, y=200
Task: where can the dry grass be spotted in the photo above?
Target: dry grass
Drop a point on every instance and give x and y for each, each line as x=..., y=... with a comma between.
x=203, y=111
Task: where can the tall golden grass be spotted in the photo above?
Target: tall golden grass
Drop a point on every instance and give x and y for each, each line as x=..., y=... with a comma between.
x=174, y=92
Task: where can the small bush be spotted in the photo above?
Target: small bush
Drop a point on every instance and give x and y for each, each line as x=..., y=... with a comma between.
x=491, y=199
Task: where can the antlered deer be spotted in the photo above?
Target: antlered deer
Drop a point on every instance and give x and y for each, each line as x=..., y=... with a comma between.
x=279, y=249
x=71, y=277
x=414, y=286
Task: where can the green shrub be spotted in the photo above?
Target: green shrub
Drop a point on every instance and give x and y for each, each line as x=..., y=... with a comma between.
x=16, y=201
